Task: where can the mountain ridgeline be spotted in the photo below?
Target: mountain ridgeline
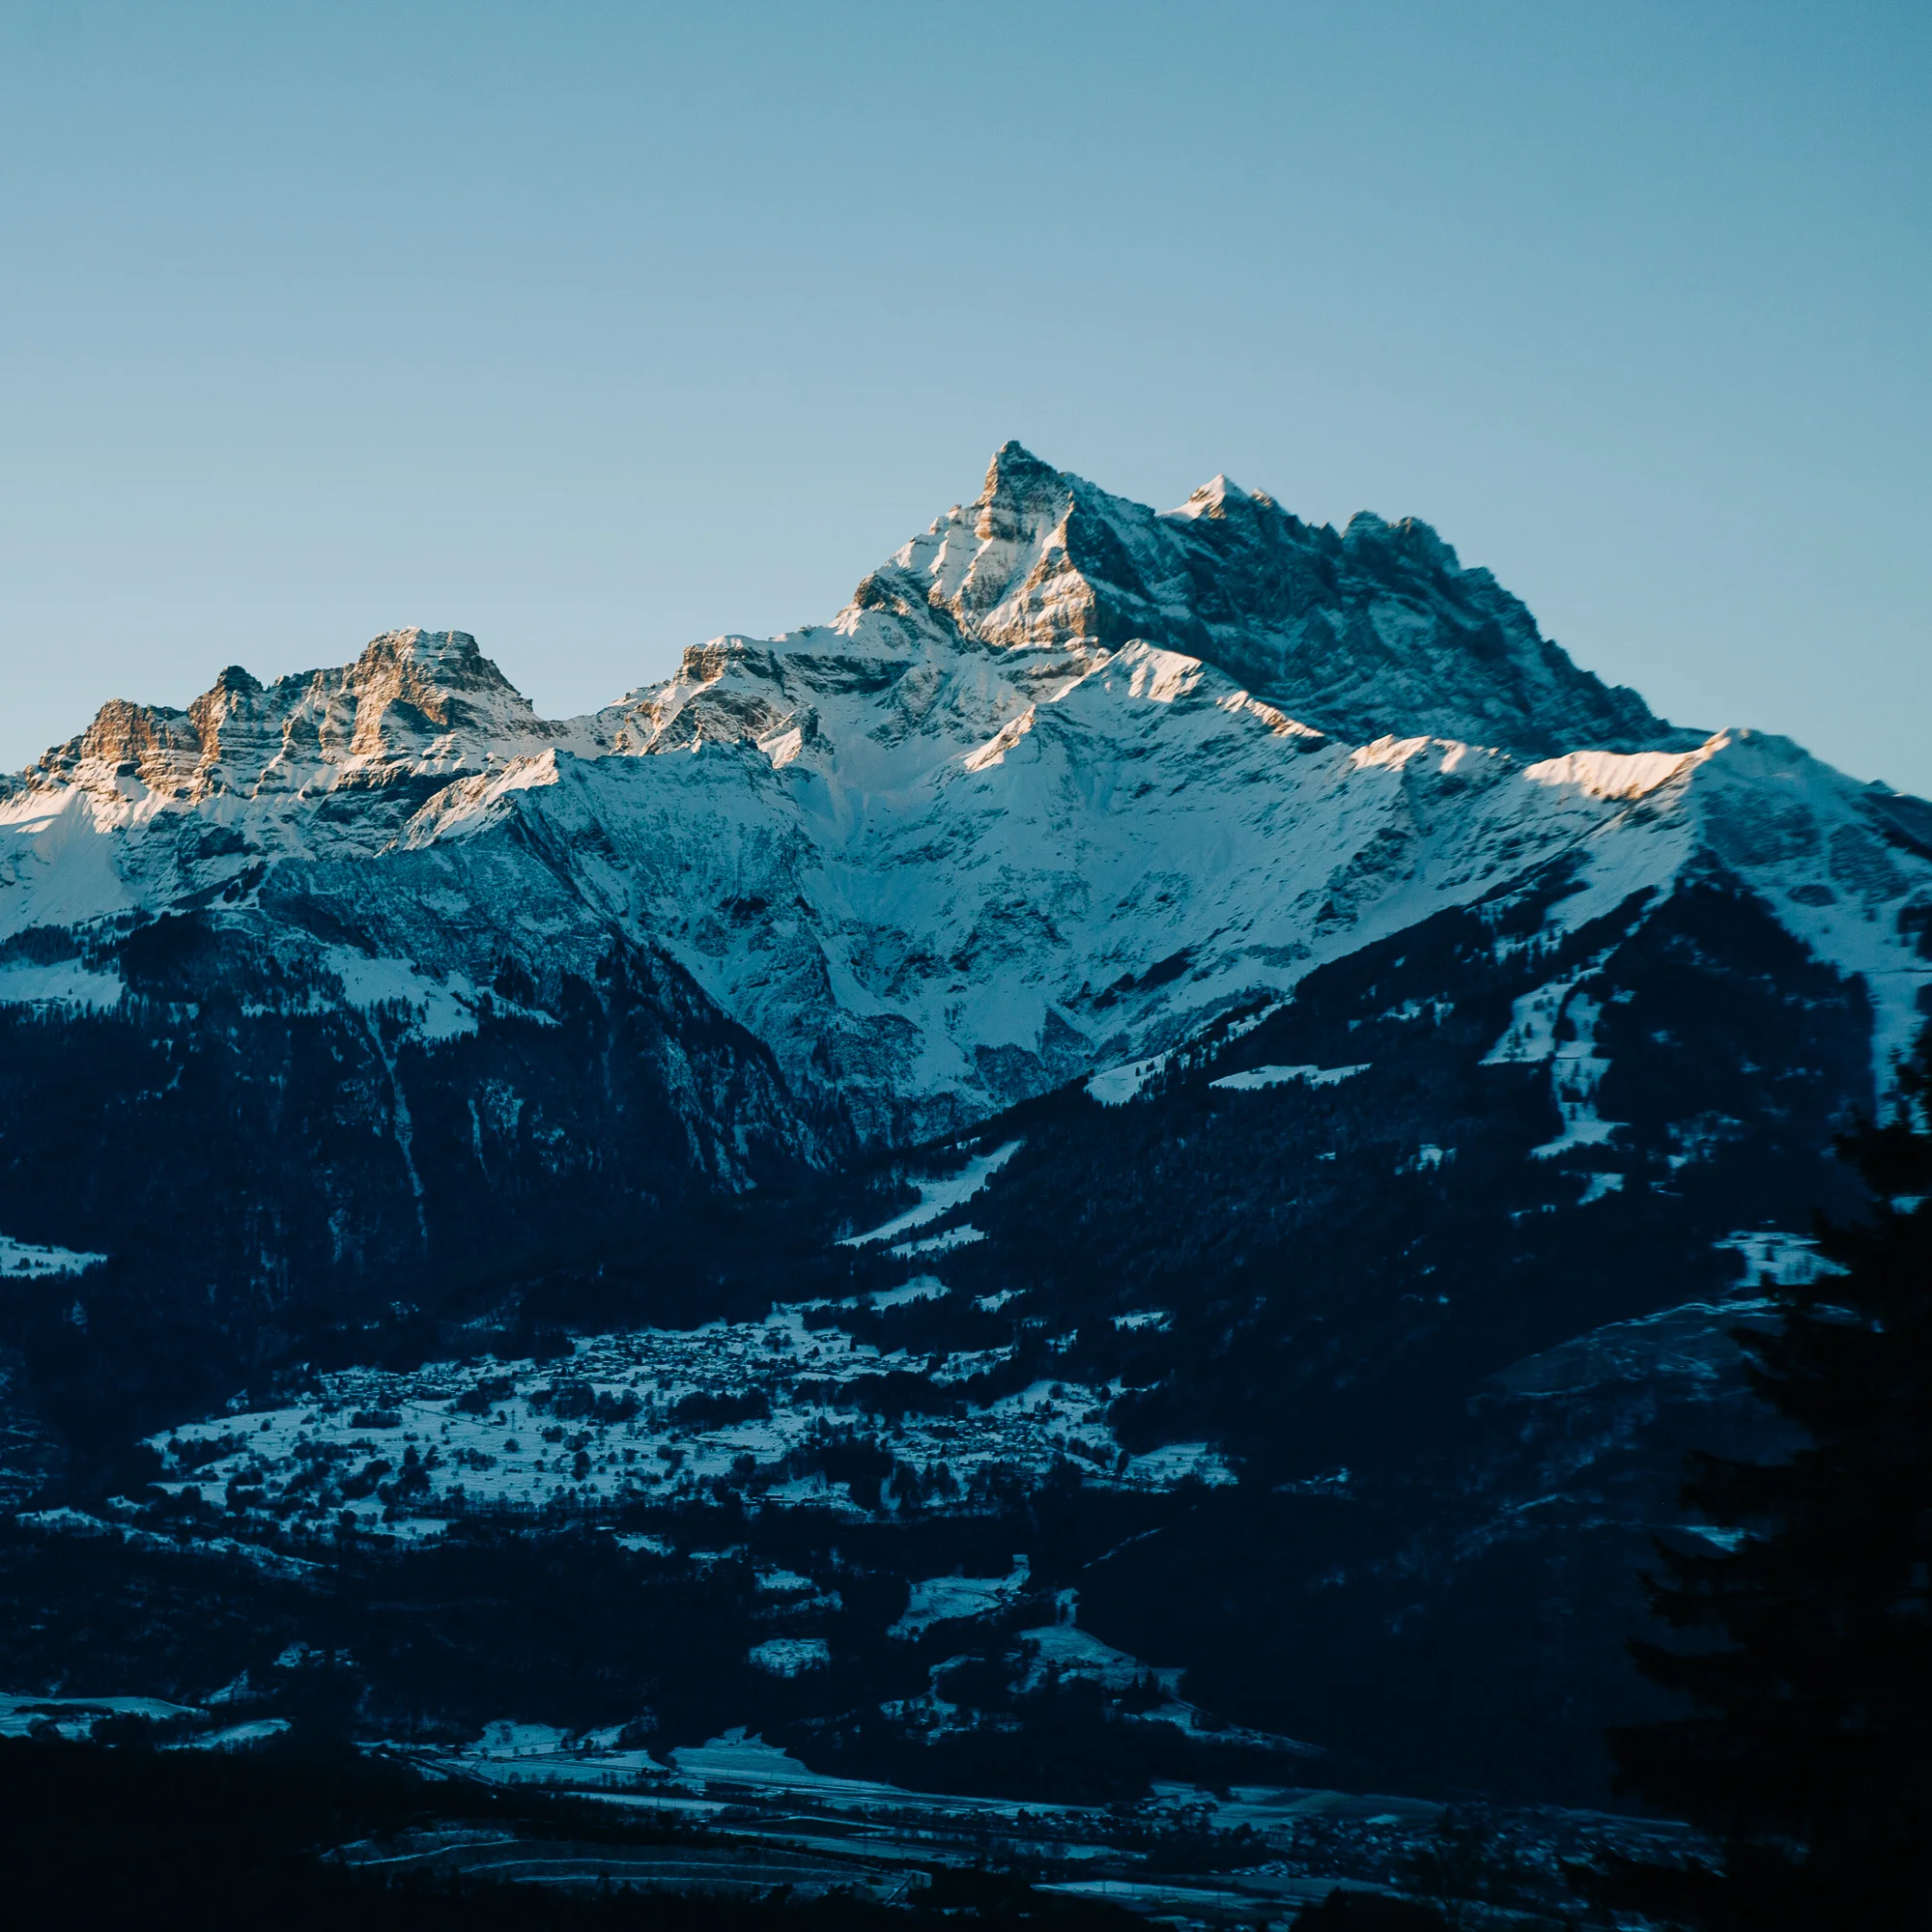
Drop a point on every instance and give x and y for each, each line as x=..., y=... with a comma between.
x=1403, y=1055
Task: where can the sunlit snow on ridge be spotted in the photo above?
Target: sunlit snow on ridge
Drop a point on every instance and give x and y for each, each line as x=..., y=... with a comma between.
x=1619, y=773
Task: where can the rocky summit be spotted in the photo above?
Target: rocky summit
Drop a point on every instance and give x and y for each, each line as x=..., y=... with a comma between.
x=1202, y=1042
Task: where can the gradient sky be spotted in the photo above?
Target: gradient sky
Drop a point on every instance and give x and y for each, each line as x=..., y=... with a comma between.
x=597, y=329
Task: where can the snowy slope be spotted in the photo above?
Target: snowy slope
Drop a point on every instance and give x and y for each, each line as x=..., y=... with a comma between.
x=1064, y=780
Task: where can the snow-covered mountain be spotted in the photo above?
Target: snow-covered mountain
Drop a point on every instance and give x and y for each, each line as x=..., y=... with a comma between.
x=1065, y=779
x=1393, y=1058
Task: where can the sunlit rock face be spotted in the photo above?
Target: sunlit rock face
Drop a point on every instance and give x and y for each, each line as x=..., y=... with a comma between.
x=1371, y=630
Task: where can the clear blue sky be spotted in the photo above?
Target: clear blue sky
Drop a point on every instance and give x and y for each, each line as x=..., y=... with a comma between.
x=598, y=328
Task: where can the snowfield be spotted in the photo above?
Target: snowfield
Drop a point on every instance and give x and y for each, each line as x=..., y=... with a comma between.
x=23, y=1260
x=940, y=1197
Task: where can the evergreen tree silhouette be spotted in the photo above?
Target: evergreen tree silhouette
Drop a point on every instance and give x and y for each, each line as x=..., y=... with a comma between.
x=1806, y=1756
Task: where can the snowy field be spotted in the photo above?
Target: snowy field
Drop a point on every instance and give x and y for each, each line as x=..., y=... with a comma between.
x=940, y=1197
x=23, y=1260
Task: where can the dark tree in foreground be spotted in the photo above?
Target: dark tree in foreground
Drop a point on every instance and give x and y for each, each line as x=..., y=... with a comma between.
x=1808, y=1755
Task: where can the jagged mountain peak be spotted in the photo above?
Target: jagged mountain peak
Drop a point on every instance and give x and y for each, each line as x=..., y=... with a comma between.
x=1015, y=471
x=1375, y=629
x=1221, y=497
x=414, y=698
x=1415, y=544
x=441, y=683
x=436, y=663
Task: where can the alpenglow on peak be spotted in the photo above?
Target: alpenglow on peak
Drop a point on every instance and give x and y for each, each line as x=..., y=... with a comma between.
x=1374, y=629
